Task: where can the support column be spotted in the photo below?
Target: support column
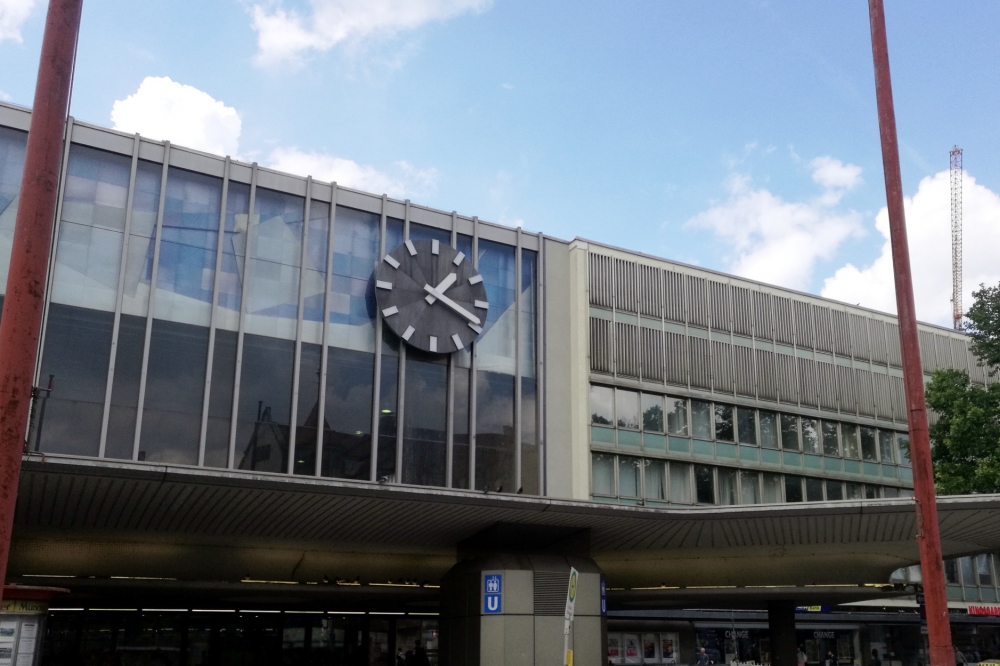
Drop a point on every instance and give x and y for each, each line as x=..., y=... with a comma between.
x=781, y=627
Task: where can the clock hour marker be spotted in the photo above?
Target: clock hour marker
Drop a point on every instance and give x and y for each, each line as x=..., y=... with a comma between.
x=457, y=340
x=458, y=258
x=435, y=247
x=434, y=344
x=388, y=312
x=382, y=284
x=392, y=262
x=475, y=279
x=483, y=305
x=477, y=329
x=408, y=332
x=409, y=248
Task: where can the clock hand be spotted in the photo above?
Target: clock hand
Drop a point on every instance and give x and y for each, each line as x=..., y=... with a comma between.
x=452, y=304
x=443, y=287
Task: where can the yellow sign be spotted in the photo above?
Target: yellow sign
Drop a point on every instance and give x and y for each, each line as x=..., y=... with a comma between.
x=22, y=606
x=569, y=658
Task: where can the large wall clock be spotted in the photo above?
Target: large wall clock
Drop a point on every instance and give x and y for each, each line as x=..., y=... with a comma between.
x=430, y=295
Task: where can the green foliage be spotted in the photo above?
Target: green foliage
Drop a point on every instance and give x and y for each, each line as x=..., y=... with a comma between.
x=966, y=438
x=984, y=326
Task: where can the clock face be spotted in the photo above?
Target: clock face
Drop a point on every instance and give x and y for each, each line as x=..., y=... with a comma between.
x=430, y=295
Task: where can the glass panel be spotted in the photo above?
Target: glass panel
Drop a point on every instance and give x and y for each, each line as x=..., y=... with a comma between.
x=529, y=440
x=307, y=412
x=628, y=476
x=175, y=388
x=494, y=431
x=423, y=232
x=772, y=488
x=903, y=447
x=185, y=277
x=495, y=350
x=627, y=409
x=88, y=255
x=12, y=148
x=790, y=432
x=677, y=422
x=750, y=487
x=125, y=388
x=273, y=264
x=347, y=427
x=652, y=412
x=388, y=403
x=602, y=409
x=234, y=249
x=77, y=352
x=264, y=404
x=793, y=488
x=849, y=435
x=425, y=420
x=747, y=425
x=831, y=439
x=655, y=487
x=834, y=490
x=984, y=571
x=220, y=399
x=604, y=474
x=680, y=483
x=724, y=422
x=314, y=273
x=810, y=436
x=727, y=486
x=968, y=571
x=529, y=424
x=814, y=490
x=853, y=491
x=885, y=446
x=141, y=237
x=768, y=430
x=704, y=484
x=868, y=446
x=888, y=491
x=701, y=419
x=951, y=572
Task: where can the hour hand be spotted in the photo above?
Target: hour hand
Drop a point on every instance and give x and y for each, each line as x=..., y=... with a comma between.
x=452, y=304
x=443, y=287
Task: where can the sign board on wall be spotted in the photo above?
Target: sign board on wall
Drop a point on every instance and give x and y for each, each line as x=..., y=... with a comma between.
x=984, y=610
x=492, y=594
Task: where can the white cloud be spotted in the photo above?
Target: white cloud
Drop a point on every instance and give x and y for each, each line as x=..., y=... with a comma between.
x=402, y=180
x=286, y=35
x=4, y=97
x=165, y=110
x=778, y=241
x=13, y=14
x=928, y=222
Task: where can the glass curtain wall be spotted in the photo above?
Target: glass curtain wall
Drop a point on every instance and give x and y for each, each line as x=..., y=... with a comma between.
x=529, y=383
x=12, y=146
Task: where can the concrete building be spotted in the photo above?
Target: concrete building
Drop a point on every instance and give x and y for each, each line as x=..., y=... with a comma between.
x=286, y=420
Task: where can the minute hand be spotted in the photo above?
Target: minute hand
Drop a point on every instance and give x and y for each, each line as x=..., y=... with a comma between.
x=451, y=304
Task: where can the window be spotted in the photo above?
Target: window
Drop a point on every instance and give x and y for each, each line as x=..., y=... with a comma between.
x=903, y=447
x=769, y=430
x=727, y=487
x=814, y=490
x=629, y=481
x=655, y=487
x=772, y=488
x=810, y=436
x=793, y=488
x=831, y=440
x=951, y=572
x=680, y=483
x=652, y=412
x=885, y=446
x=627, y=409
x=790, y=432
x=868, y=445
x=602, y=405
x=968, y=571
x=701, y=419
x=983, y=570
x=834, y=490
x=749, y=487
x=889, y=491
x=853, y=491
x=747, y=425
x=604, y=473
x=849, y=433
x=704, y=482
x=425, y=421
x=872, y=492
x=677, y=418
x=724, y=423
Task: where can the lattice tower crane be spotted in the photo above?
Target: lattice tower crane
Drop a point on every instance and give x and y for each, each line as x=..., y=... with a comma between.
x=956, y=237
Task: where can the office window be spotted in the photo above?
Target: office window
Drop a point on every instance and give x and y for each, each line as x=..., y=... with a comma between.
x=872, y=492
x=885, y=446
x=747, y=425
x=789, y=432
x=724, y=422
x=810, y=436
x=627, y=409
x=701, y=419
x=768, y=430
x=704, y=482
x=604, y=474
x=814, y=490
x=424, y=420
x=968, y=571
x=849, y=435
x=677, y=421
x=750, y=487
x=983, y=570
x=834, y=490
x=853, y=491
x=903, y=448
x=831, y=439
x=629, y=479
x=889, y=491
x=772, y=488
x=728, y=486
x=680, y=483
x=655, y=483
x=652, y=412
x=793, y=488
x=602, y=410
x=869, y=447
x=951, y=572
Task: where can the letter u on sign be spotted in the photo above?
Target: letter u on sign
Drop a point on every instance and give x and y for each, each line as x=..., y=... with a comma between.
x=493, y=594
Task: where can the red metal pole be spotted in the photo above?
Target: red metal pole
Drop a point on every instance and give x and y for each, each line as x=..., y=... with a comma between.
x=22, y=308
x=928, y=536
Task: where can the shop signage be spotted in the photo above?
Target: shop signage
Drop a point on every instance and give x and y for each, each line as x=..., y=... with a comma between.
x=823, y=634
x=812, y=609
x=493, y=594
x=604, y=597
x=984, y=610
x=22, y=606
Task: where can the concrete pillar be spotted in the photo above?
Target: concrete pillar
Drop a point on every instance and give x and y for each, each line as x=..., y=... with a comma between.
x=781, y=627
x=508, y=610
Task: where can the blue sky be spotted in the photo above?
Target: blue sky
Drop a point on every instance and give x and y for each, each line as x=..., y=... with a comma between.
x=740, y=136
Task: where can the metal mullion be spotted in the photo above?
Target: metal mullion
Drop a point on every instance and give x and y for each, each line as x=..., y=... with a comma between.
x=212, y=324
x=324, y=351
x=242, y=323
x=473, y=370
x=118, y=297
x=296, y=370
x=540, y=364
x=517, y=362
x=152, y=300
x=401, y=390
x=377, y=381
x=449, y=409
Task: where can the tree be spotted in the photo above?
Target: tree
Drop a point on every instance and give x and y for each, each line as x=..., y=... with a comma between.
x=984, y=326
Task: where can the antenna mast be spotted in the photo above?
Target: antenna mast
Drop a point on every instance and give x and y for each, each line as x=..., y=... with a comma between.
x=956, y=237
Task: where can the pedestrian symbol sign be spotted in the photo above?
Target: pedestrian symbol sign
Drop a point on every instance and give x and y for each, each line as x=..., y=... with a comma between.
x=492, y=594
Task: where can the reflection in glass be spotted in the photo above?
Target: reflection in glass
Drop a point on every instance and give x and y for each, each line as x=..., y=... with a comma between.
x=529, y=438
x=768, y=430
x=388, y=405
x=125, y=388
x=727, y=486
x=264, y=404
x=968, y=571
x=352, y=298
x=234, y=249
x=307, y=412
x=853, y=491
x=772, y=484
x=604, y=474
x=680, y=483
x=951, y=572
x=983, y=570
x=141, y=237
x=831, y=440
x=529, y=424
x=701, y=419
x=273, y=264
x=602, y=410
x=175, y=387
x=347, y=427
x=629, y=481
x=889, y=491
x=704, y=483
x=495, y=349
x=13, y=144
x=749, y=487
x=77, y=351
x=314, y=272
x=677, y=422
x=834, y=490
x=652, y=412
x=495, y=431
x=790, y=432
x=849, y=435
x=627, y=409
x=423, y=232
x=814, y=490
x=885, y=445
x=903, y=447
x=872, y=492
x=655, y=487
x=425, y=420
x=460, y=428
x=868, y=446
x=724, y=422
x=793, y=488
x=220, y=399
x=747, y=419
x=810, y=436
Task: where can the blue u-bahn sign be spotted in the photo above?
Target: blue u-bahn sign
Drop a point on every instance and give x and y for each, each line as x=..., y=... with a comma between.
x=492, y=594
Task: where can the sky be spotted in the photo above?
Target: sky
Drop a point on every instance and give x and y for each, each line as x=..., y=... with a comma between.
x=736, y=135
